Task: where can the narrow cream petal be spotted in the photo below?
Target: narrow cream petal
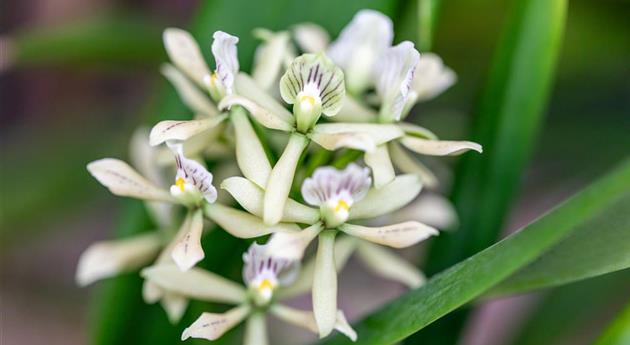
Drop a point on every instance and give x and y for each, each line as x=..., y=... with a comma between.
x=188, y=251
x=410, y=165
x=281, y=178
x=430, y=208
x=193, y=97
x=184, y=51
x=325, y=285
x=144, y=158
x=108, y=258
x=270, y=56
x=380, y=133
x=250, y=155
x=122, y=180
x=195, y=283
x=417, y=131
x=394, y=195
x=242, y=224
x=256, y=330
x=175, y=306
x=311, y=38
x=297, y=317
x=387, y=264
x=262, y=115
x=151, y=292
x=182, y=130
x=394, y=75
x=211, y=326
x=250, y=197
x=381, y=164
x=291, y=245
x=247, y=87
x=353, y=111
x=331, y=142
x=439, y=147
x=399, y=235
x=344, y=247
x=344, y=327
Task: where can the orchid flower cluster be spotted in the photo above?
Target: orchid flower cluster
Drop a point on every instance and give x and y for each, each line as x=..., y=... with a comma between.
x=335, y=116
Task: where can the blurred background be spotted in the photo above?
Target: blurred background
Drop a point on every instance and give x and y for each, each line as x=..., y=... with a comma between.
x=77, y=77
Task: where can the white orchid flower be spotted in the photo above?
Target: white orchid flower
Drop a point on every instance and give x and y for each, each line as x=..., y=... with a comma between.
x=359, y=46
x=264, y=277
x=340, y=196
x=314, y=86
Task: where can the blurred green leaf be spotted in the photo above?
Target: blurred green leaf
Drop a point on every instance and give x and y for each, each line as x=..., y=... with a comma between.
x=618, y=333
x=584, y=306
x=467, y=280
x=507, y=119
x=104, y=40
x=599, y=246
x=427, y=21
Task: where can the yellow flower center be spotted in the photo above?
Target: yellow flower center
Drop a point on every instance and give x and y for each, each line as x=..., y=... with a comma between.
x=307, y=98
x=342, y=204
x=180, y=182
x=213, y=78
x=265, y=284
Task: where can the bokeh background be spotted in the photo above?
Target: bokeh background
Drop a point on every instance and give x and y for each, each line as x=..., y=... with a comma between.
x=77, y=77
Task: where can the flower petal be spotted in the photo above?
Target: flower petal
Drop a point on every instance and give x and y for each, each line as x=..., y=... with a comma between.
x=182, y=130
x=297, y=317
x=394, y=195
x=184, y=51
x=262, y=115
x=242, y=224
x=188, y=251
x=353, y=111
x=175, y=306
x=417, y=131
x=192, y=97
x=318, y=73
x=256, y=330
x=387, y=264
x=381, y=165
x=325, y=285
x=344, y=247
x=250, y=197
x=379, y=133
x=344, y=327
x=211, y=326
x=224, y=51
x=359, y=45
x=399, y=235
x=250, y=155
x=430, y=208
x=291, y=245
x=108, y=258
x=247, y=87
x=431, y=77
x=311, y=38
x=123, y=180
x=410, y=165
x=270, y=56
x=144, y=157
x=331, y=142
x=439, y=147
x=394, y=74
x=281, y=178
x=195, y=283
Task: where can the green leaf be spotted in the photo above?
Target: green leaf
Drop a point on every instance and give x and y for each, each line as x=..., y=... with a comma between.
x=469, y=279
x=618, y=333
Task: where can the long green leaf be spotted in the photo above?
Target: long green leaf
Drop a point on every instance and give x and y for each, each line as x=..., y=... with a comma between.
x=469, y=279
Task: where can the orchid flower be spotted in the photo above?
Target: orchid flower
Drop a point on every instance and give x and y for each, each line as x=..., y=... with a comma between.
x=339, y=196
x=314, y=86
x=264, y=278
